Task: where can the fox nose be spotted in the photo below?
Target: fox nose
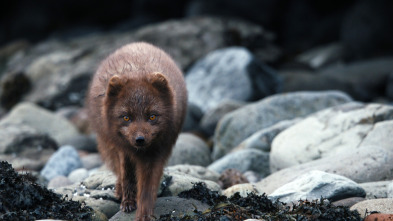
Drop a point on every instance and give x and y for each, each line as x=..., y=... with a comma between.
x=140, y=140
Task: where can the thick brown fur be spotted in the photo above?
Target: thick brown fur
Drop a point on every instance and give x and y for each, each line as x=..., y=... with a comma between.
x=137, y=104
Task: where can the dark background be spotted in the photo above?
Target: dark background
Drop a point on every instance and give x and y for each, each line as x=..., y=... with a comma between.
x=363, y=27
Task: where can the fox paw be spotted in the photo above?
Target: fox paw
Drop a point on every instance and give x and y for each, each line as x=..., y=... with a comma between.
x=128, y=206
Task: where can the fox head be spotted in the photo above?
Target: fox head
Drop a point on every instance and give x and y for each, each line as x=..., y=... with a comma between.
x=139, y=110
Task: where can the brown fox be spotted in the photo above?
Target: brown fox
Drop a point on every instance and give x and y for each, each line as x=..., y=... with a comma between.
x=137, y=103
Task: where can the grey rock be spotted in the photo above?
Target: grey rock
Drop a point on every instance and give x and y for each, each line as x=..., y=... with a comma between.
x=92, y=161
x=243, y=160
x=182, y=182
x=167, y=205
x=236, y=126
x=193, y=170
x=42, y=120
x=365, y=164
x=322, y=56
x=348, y=201
x=101, y=179
x=316, y=184
x=190, y=149
x=78, y=175
x=377, y=189
x=229, y=74
x=59, y=181
x=62, y=162
x=211, y=117
x=213, y=32
x=332, y=131
x=380, y=205
x=31, y=159
x=16, y=138
x=83, y=142
x=243, y=189
x=193, y=116
x=262, y=140
x=390, y=190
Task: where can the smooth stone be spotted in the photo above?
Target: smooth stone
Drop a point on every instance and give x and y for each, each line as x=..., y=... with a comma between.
x=59, y=181
x=193, y=170
x=243, y=160
x=190, y=149
x=366, y=164
x=332, y=131
x=78, y=175
x=62, y=162
x=380, y=205
x=238, y=125
x=243, y=189
x=377, y=189
x=91, y=161
x=44, y=121
x=316, y=184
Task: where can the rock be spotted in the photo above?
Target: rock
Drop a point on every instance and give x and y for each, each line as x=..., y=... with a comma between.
x=92, y=161
x=229, y=74
x=236, y=126
x=316, y=184
x=365, y=164
x=332, y=132
x=243, y=160
x=62, y=162
x=348, y=202
x=231, y=177
x=321, y=56
x=42, y=120
x=189, y=149
x=262, y=139
x=193, y=116
x=83, y=142
x=243, y=189
x=251, y=176
x=380, y=205
x=379, y=217
x=364, y=79
x=213, y=33
x=31, y=159
x=100, y=180
x=211, y=117
x=167, y=205
x=59, y=181
x=377, y=189
x=195, y=171
x=183, y=182
x=390, y=190
x=78, y=175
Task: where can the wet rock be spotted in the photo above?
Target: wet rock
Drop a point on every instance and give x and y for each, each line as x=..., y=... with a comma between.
x=195, y=171
x=316, y=184
x=243, y=160
x=189, y=149
x=236, y=126
x=62, y=162
x=365, y=164
x=42, y=120
x=229, y=74
x=331, y=132
x=380, y=205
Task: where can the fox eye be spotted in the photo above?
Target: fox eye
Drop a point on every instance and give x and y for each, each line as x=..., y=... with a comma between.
x=126, y=118
x=152, y=117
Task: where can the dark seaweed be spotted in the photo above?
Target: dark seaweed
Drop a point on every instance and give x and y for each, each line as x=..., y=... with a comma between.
x=259, y=207
x=21, y=198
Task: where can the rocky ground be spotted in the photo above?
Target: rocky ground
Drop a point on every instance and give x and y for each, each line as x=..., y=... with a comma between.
x=313, y=127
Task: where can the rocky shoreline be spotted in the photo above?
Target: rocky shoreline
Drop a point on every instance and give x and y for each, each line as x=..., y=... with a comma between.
x=290, y=133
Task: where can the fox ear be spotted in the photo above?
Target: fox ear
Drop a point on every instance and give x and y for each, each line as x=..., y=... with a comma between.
x=160, y=82
x=115, y=86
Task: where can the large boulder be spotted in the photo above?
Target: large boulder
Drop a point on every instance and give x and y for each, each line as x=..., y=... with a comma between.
x=237, y=125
